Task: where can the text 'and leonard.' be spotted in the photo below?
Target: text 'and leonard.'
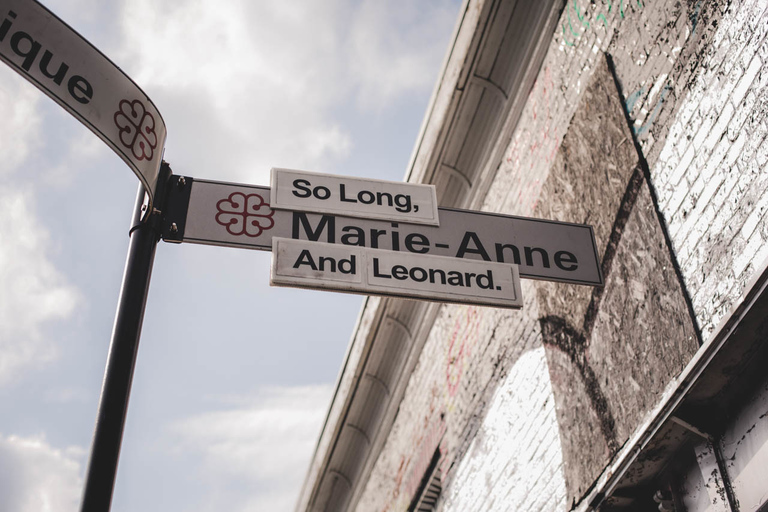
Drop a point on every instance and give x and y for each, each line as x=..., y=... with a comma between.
x=353, y=269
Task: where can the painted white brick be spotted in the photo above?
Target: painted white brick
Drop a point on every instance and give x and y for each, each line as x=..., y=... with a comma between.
x=683, y=166
x=702, y=222
x=746, y=255
x=702, y=189
x=754, y=219
x=514, y=466
x=735, y=150
x=749, y=76
x=761, y=155
x=685, y=114
x=728, y=83
x=738, y=35
x=718, y=129
x=719, y=49
x=703, y=127
x=669, y=159
x=675, y=214
x=743, y=111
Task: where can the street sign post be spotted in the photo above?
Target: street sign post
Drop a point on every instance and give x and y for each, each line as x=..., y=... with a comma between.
x=101, y=471
x=235, y=215
x=61, y=63
x=353, y=197
x=355, y=269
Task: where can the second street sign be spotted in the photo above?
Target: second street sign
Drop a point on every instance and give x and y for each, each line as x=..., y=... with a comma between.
x=232, y=215
x=353, y=269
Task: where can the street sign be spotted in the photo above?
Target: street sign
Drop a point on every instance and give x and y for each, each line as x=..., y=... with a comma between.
x=226, y=214
x=353, y=197
x=47, y=52
x=354, y=269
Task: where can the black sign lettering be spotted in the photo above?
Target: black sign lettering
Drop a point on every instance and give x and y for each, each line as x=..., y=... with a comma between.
x=23, y=45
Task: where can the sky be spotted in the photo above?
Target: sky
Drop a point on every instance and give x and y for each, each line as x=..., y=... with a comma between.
x=233, y=378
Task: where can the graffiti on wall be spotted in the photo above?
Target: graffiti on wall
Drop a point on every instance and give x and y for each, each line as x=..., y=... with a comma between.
x=431, y=442
x=463, y=340
x=428, y=441
x=577, y=21
x=535, y=147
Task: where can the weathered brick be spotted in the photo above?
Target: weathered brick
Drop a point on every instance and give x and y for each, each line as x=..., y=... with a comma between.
x=747, y=254
x=682, y=167
x=736, y=150
x=755, y=218
x=746, y=80
x=702, y=124
x=697, y=199
x=761, y=156
x=718, y=129
x=743, y=111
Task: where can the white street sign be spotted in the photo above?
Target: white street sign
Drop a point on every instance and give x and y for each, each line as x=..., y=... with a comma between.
x=353, y=269
x=234, y=215
x=354, y=197
x=48, y=53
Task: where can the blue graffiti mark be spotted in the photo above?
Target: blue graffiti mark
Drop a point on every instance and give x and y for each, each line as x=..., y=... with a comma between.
x=571, y=26
x=632, y=99
x=583, y=16
x=655, y=112
x=564, y=37
x=694, y=17
x=579, y=15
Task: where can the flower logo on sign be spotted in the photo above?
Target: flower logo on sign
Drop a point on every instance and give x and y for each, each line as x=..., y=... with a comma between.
x=137, y=129
x=242, y=214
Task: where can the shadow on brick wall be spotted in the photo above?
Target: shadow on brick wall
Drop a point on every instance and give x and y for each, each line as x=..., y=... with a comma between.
x=612, y=350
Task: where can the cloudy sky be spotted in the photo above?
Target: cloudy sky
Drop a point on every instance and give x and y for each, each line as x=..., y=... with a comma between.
x=233, y=378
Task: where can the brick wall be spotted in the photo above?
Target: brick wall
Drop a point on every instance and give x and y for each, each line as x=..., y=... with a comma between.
x=710, y=172
x=512, y=463
x=692, y=79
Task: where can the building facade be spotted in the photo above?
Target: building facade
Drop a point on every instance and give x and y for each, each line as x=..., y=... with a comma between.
x=648, y=121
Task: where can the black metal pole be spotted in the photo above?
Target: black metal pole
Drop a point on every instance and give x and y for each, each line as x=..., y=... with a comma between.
x=118, y=375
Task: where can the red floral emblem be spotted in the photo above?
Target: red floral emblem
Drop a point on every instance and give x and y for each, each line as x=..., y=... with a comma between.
x=242, y=214
x=137, y=129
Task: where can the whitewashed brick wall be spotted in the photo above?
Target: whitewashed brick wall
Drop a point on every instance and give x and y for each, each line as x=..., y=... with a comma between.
x=514, y=462
x=711, y=173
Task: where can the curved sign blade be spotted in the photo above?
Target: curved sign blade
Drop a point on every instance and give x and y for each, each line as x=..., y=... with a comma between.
x=62, y=64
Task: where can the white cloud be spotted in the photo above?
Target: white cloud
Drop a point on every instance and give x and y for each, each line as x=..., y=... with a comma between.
x=34, y=291
x=20, y=120
x=242, y=86
x=256, y=83
x=35, y=477
x=69, y=395
x=394, y=46
x=266, y=445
